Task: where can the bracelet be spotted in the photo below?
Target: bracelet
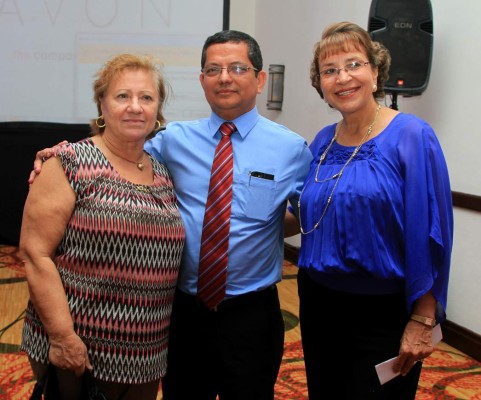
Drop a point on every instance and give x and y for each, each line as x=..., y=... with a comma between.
x=423, y=320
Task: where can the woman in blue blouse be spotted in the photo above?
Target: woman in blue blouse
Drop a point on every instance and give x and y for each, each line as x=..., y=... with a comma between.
x=376, y=222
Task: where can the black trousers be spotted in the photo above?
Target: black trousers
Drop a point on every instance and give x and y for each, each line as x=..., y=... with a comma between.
x=234, y=352
x=344, y=336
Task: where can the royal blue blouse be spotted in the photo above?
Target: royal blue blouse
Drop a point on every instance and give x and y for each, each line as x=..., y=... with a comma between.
x=389, y=227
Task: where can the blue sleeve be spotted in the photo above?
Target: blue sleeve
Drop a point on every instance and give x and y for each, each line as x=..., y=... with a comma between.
x=428, y=215
x=303, y=164
x=306, y=157
x=154, y=146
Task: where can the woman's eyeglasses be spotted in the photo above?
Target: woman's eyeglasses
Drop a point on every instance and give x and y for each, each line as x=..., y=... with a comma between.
x=352, y=68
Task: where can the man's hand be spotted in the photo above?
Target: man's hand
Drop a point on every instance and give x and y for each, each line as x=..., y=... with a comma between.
x=40, y=157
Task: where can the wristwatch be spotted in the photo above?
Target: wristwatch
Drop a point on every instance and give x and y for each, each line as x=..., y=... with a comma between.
x=424, y=320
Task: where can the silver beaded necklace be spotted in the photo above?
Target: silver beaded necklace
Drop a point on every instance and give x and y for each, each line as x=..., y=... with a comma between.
x=337, y=176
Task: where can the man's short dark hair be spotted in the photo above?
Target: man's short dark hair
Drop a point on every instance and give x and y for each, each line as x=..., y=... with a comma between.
x=254, y=51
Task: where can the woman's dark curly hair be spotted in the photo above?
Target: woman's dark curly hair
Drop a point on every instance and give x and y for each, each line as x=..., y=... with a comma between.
x=344, y=37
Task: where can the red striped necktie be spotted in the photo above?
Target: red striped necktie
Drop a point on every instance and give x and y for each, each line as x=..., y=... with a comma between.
x=215, y=232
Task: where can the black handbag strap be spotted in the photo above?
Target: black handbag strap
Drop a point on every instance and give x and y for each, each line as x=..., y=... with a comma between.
x=47, y=387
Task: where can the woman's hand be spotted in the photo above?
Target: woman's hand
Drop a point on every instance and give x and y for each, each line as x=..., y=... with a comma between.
x=69, y=353
x=416, y=345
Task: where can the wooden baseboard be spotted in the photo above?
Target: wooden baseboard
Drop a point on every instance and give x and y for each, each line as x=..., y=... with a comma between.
x=462, y=339
x=455, y=335
x=467, y=201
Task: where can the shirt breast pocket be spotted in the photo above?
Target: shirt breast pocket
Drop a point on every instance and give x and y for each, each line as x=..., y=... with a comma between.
x=254, y=197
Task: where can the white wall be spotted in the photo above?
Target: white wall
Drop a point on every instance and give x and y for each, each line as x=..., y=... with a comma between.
x=287, y=30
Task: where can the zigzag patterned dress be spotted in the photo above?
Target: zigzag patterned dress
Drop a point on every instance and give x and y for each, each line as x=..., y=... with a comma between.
x=118, y=261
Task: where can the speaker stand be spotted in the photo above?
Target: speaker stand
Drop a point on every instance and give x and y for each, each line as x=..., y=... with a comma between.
x=394, y=101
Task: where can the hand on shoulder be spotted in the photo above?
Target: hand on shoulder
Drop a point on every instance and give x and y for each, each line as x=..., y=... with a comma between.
x=40, y=158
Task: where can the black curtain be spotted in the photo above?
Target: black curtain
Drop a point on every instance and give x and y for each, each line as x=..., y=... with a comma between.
x=19, y=142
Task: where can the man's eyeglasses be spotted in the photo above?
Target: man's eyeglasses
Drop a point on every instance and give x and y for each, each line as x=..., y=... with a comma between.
x=352, y=68
x=235, y=70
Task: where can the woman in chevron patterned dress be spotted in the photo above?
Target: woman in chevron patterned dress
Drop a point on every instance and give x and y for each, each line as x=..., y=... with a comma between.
x=102, y=240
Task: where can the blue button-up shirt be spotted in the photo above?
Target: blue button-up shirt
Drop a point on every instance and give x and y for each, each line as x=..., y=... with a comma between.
x=270, y=164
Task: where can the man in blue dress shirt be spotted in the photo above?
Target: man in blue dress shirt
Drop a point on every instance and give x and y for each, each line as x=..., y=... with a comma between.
x=236, y=350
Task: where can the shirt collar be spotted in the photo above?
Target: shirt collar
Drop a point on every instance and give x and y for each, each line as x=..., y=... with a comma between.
x=244, y=123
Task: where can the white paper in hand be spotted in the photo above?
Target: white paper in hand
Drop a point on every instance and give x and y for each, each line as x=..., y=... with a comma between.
x=385, y=370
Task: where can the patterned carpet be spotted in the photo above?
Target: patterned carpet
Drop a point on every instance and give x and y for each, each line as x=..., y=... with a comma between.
x=447, y=374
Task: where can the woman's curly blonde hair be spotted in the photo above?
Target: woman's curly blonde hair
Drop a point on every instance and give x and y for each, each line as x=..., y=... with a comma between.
x=115, y=66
